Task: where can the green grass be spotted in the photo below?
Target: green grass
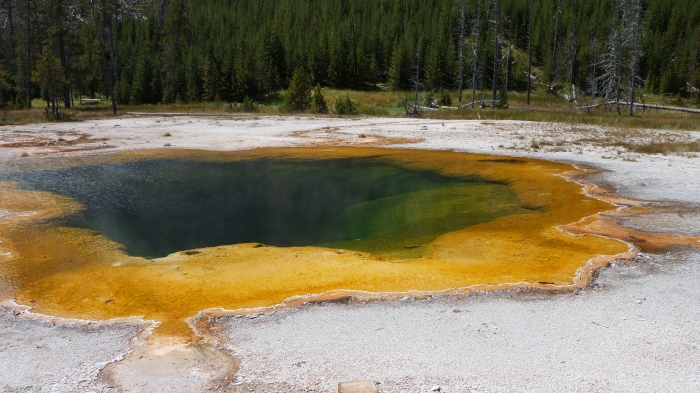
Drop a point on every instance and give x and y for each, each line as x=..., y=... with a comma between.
x=384, y=103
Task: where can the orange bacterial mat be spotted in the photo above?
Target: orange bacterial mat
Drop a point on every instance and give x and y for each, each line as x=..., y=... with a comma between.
x=78, y=273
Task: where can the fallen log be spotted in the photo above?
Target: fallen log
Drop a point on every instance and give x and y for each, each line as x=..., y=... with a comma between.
x=643, y=107
x=175, y=114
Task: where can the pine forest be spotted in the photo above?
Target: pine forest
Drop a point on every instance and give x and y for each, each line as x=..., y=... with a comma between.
x=170, y=51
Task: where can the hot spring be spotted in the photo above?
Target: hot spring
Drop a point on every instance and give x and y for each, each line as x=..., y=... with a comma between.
x=164, y=235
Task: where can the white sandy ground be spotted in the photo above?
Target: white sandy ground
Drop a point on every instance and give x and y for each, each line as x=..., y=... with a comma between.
x=634, y=330
x=39, y=356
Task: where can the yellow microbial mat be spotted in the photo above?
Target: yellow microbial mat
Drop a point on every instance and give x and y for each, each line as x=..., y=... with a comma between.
x=77, y=272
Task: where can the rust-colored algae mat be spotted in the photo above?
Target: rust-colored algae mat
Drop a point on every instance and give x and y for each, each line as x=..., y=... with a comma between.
x=78, y=273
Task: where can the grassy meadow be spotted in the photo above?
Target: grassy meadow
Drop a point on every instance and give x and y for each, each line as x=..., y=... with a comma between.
x=384, y=103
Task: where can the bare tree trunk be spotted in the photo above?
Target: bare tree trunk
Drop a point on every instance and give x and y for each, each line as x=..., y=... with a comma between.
x=29, y=54
x=416, y=80
x=636, y=27
x=645, y=106
x=572, y=57
x=594, y=80
x=529, y=53
x=505, y=83
x=403, y=16
x=11, y=26
x=462, y=27
x=553, y=64
x=496, y=51
x=161, y=14
x=112, y=60
x=106, y=66
x=618, y=65
x=475, y=60
x=64, y=64
x=354, y=52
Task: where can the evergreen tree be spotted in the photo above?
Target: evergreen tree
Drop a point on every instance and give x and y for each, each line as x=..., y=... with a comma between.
x=399, y=69
x=49, y=75
x=319, y=59
x=209, y=82
x=273, y=66
x=174, y=34
x=298, y=98
x=318, y=105
x=445, y=99
x=147, y=52
x=338, y=70
x=434, y=65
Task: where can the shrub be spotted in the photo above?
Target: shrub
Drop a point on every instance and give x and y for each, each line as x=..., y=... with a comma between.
x=249, y=105
x=445, y=99
x=430, y=101
x=502, y=100
x=58, y=115
x=345, y=106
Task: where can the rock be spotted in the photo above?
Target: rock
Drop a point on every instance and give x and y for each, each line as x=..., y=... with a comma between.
x=435, y=388
x=358, y=387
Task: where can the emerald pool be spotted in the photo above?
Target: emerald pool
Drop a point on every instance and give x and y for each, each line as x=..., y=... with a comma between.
x=160, y=206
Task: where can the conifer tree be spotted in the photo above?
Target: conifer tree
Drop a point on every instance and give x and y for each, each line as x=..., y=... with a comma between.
x=318, y=104
x=208, y=82
x=174, y=31
x=49, y=75
x=399, y=68
x=434, y=69
x=143, y=87
x=298, y=98
x=169, y=50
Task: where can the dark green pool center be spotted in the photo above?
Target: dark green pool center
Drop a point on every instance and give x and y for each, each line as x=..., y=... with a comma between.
x=162, y=206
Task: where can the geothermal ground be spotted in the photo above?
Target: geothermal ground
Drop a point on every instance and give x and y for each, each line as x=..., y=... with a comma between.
x=633, y=329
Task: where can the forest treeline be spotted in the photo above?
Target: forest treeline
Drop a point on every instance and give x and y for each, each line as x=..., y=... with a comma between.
x=167, y=51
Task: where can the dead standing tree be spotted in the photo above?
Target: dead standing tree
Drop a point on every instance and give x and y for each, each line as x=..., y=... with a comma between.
x=461, y=34
x=103, y=16
x=623, y=50
x=11, y=30
x=554, y=63
x=411, y=108
x=496, y=49
x=635, y=31
x=593, y=77
x=571, y=58
x=611, y=64
x=475, y=50
x=415, y=79
x=529, y=51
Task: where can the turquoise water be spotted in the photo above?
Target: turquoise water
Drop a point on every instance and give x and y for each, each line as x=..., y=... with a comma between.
x=157, y=207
